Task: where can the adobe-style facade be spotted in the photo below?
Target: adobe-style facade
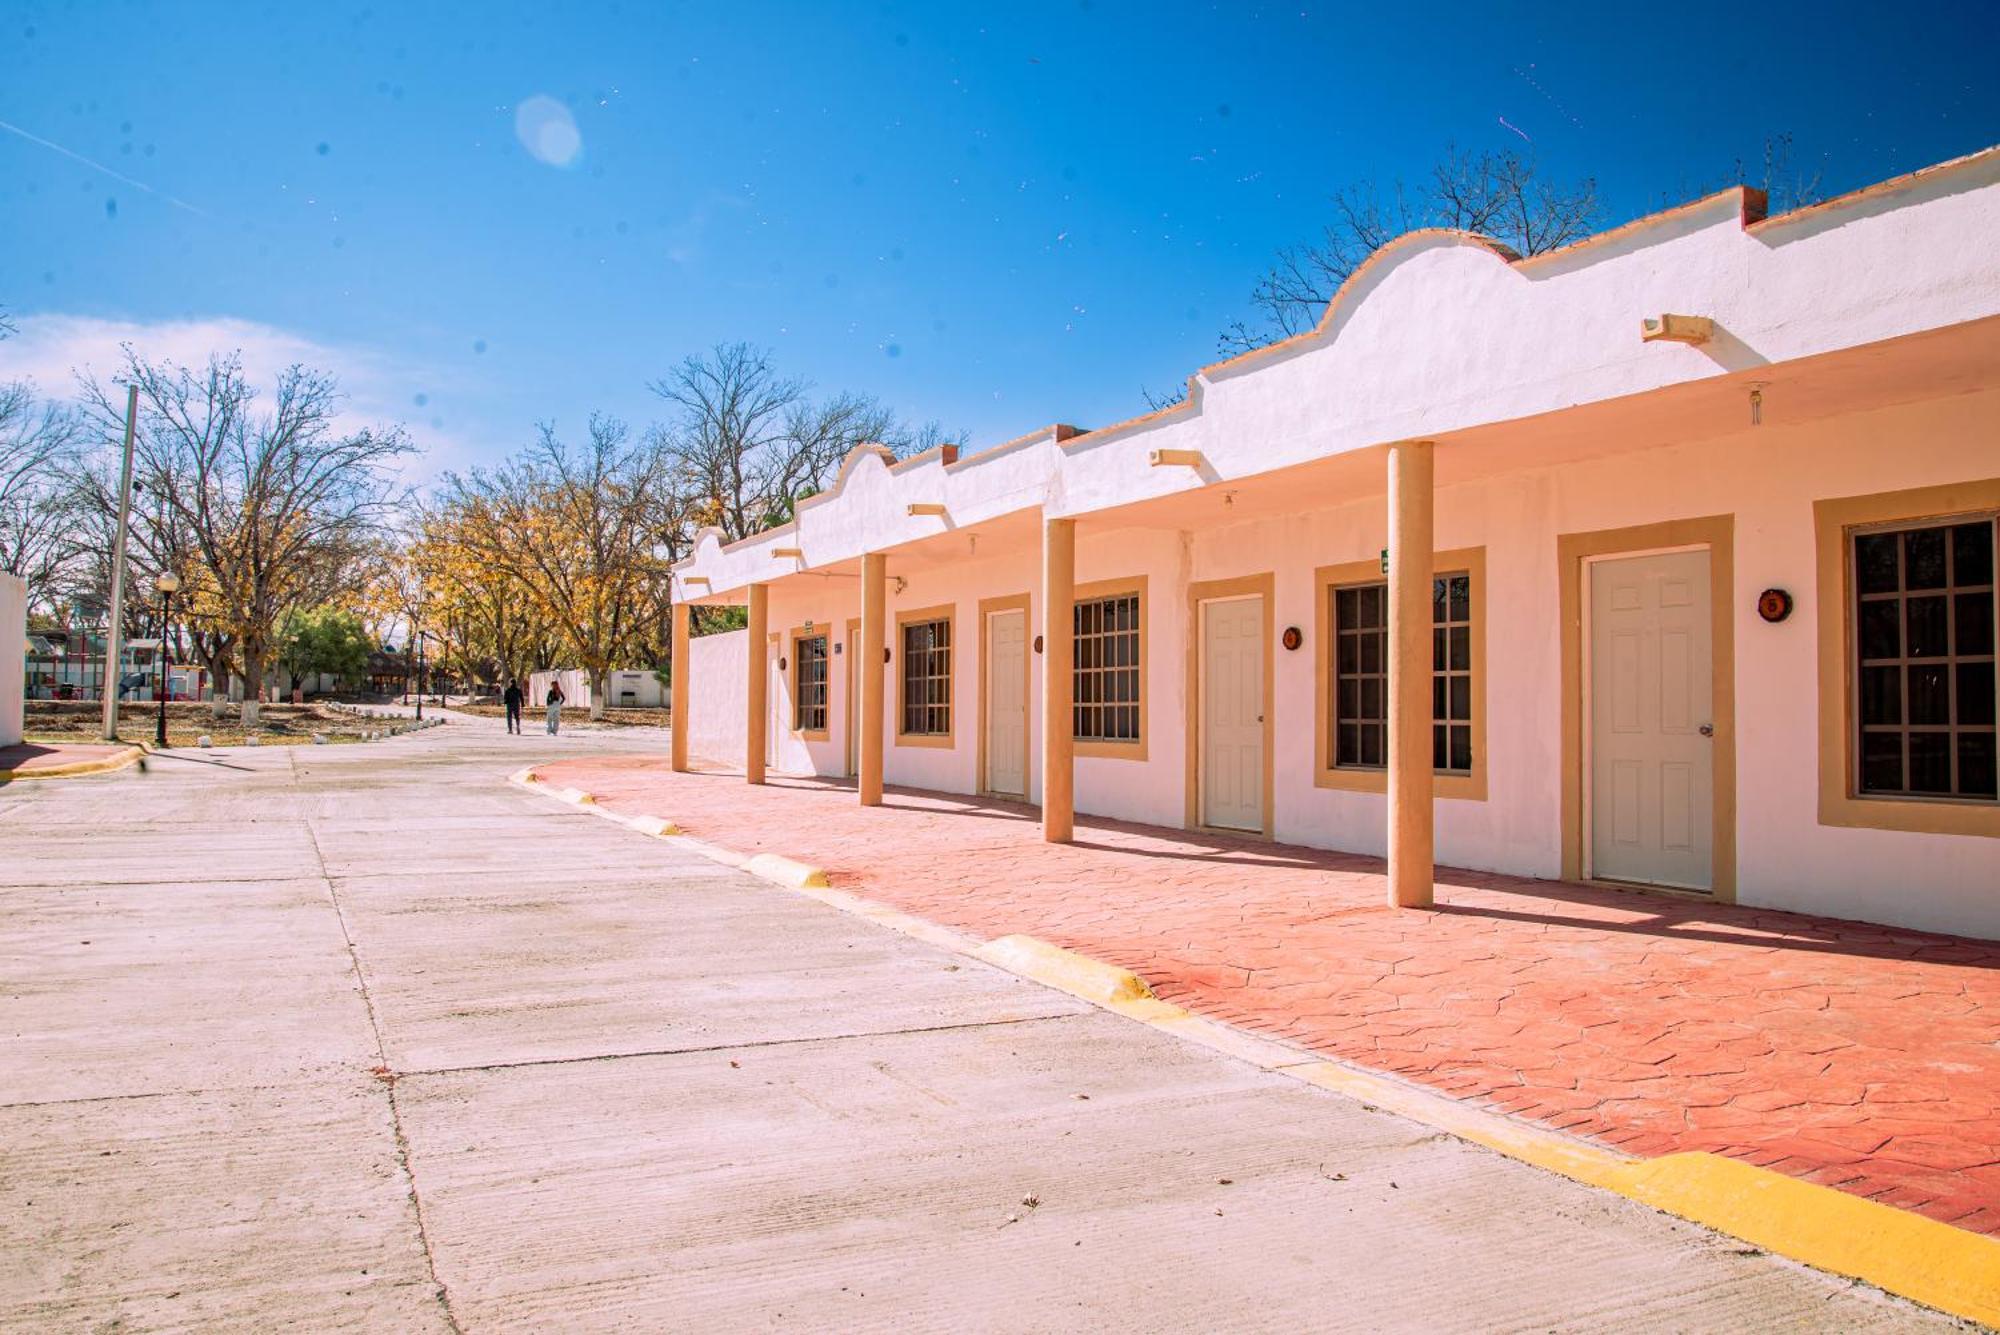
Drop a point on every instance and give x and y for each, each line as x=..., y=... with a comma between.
x=1665, y=559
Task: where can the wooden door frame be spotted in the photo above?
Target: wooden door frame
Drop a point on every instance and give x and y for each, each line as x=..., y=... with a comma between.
x=1213, y=591
x=851, y=637
x=1575, y=553
x=987, y=606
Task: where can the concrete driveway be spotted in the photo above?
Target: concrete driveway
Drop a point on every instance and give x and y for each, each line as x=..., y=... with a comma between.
x=363, y=1037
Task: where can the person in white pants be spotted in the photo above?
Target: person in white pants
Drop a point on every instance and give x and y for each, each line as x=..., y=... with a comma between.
x=555, y=707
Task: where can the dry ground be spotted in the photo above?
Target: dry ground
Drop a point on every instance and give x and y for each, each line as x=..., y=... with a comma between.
x=187, y=723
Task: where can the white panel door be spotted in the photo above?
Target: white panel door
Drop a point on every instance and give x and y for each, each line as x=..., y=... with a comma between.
x=1007, y=703
x=1232, y=713
x=1652, y=758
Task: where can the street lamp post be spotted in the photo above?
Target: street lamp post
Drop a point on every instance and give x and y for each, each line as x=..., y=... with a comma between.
x=421, y=674
x=168, y=584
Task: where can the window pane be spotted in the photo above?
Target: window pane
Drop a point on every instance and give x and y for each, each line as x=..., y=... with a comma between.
x=1875, y=562
x=1461, y=746
x=1350, y=653
x=1882, y=762
x=1350, y=698
x=1371, y=697
x=1440, y=747
x=1882, y=695
x=1924, y=624
x=1975, y=694
x=1975, y=765
x=1461, y=648
x=1881, y=630
x=1975, y=622
x=1437, y=651
x=1440, y=694
x=1923, y=559
x=1972, y=553
x=1930, y=695
x=1461, y=697
x=1461, y=597
x=1371, y=605
x=1930, y=762
x=1347, y=609
x=1371, y=651
x=1371, y=744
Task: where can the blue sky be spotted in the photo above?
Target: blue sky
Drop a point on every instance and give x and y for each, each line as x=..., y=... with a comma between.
x=997, y=218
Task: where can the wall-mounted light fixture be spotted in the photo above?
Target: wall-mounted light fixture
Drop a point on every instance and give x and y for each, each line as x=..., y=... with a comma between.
x=917, y=508
x=788, y=553
x=1038, y=644
x=1174, y=458
x=1292, y=638
x=1774, y=605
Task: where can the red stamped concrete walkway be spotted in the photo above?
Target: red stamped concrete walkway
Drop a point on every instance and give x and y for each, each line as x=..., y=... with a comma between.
x=1865, y=1058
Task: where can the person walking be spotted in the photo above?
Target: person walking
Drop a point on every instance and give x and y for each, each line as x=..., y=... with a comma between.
x=555, y=703
x=512, y=699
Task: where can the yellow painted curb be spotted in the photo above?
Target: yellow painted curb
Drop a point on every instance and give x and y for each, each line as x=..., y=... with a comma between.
x=1948, y=1268
x=786, y=871
x=657, y=826
x=1079, y=975
x=1517, y=1140
x=103, y=765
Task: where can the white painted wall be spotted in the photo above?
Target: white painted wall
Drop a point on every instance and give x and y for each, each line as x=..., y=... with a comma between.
x=1767, y=478
x=575, y=686
x=13, y=660
x=717, y=666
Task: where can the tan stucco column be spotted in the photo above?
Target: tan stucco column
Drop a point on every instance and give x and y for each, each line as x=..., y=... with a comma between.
x=678, y=717
x=1058, y=655
x=874, y=642
x=1410, y=769
x=757, y=712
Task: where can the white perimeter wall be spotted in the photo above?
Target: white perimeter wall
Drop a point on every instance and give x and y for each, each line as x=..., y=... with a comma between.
x=1767, y=478
x=13, y=651
x=718, y=687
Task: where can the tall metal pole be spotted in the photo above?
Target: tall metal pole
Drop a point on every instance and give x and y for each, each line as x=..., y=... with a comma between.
x=166, y=668
x=112, y=646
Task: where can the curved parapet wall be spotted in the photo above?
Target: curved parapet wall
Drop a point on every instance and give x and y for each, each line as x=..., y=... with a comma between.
x=1440, y=332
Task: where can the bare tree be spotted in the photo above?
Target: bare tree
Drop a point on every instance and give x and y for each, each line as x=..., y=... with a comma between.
x=749, y=443
x=1786, y=186
x=38, y=458
x=1501, y=195
x=270, y=512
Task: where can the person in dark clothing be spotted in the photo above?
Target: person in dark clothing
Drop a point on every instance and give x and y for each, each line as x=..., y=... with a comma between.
x=512, y=699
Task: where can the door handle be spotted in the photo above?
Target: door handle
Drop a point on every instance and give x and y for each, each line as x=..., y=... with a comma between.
x=1707, y=730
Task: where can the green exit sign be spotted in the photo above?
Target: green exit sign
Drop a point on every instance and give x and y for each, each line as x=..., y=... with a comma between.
x=1385, y=560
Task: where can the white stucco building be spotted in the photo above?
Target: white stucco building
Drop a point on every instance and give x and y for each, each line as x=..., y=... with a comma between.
x=1703, y=604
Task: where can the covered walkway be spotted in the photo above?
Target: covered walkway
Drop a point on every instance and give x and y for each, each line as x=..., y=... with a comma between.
x=1862, y=1057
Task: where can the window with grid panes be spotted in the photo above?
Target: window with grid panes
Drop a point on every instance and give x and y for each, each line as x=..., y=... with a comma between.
x=1361, y=675
x=1924, y=660
x=1106, y=670
x=809, y=684
x=927, y=678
